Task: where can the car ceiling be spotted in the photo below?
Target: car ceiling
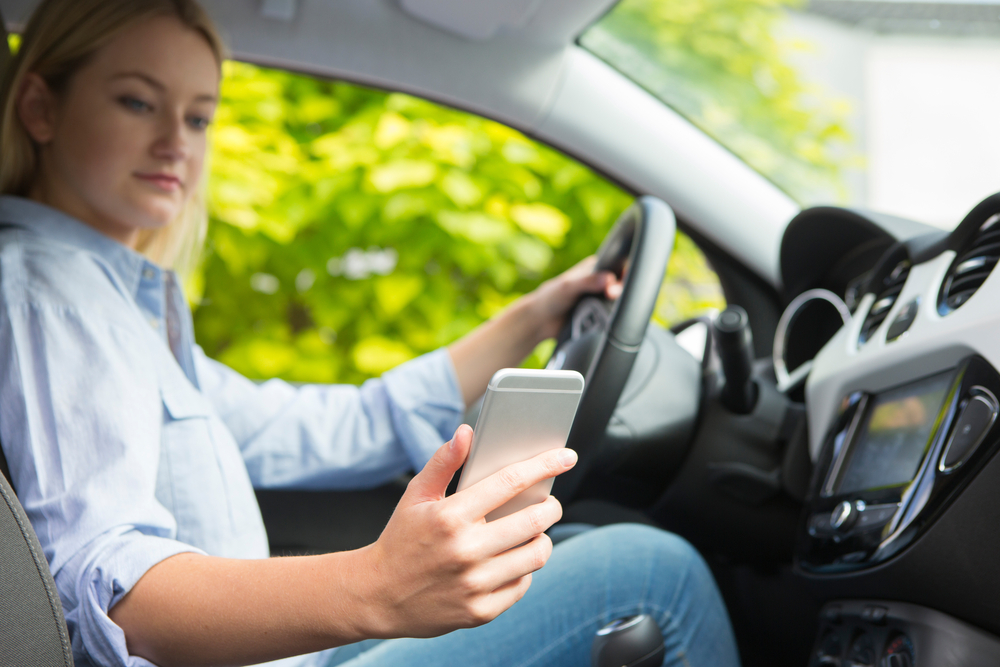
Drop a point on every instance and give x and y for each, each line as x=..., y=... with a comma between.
x=517, y=61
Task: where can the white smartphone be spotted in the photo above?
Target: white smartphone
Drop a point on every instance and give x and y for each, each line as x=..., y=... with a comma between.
x=525, y=412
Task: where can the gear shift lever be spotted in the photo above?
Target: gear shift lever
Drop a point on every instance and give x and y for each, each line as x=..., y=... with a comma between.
x=633, y=641
x=734, y=343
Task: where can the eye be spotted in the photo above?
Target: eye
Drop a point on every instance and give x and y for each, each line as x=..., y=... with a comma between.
x=199, y=122
x=134, y=104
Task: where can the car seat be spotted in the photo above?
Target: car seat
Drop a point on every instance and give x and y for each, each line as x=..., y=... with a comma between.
x=32, y=626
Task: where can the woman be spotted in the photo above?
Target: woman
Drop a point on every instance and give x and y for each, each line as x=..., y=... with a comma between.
x=135, y=456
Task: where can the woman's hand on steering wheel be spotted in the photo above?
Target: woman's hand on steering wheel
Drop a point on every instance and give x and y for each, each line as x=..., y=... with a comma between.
x=554, y=298
x=508, y=338
x=634, y=258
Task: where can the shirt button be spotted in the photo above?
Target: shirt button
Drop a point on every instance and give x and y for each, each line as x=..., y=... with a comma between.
x=148, y=274
x=155, y=322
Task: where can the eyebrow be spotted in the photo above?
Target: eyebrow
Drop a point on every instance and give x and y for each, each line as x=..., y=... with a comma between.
x=157, y=85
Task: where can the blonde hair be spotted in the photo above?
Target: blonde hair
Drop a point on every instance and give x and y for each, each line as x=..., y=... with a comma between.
x=59, y=39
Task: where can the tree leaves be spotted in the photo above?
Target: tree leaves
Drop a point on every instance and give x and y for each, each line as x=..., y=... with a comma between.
x=724, y=66
x=353, y=229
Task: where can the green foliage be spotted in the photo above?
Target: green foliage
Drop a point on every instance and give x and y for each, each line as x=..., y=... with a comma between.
x=720, y=63
x=690, y=287
x=353, y=229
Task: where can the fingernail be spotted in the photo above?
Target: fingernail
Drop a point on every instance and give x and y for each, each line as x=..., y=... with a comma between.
x=567, y=457
x=454, y=438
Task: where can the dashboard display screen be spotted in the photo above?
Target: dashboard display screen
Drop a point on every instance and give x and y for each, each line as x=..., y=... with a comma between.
x=894, y=436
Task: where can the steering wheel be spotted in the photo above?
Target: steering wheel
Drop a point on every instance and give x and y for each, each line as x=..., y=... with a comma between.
x=601, y=339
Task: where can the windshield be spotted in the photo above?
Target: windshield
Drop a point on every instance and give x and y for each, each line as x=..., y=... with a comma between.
x=887, y=105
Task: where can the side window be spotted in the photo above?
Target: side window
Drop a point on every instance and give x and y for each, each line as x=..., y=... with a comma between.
x=353, y=229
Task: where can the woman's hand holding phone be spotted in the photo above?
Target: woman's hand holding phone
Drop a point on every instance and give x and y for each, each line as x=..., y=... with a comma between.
x=439, y=566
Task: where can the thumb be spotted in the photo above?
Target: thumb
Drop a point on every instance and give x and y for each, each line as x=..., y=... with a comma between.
x=432, y=482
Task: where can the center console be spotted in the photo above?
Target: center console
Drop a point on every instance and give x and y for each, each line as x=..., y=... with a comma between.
x=893, y=461
x=898, y=465
x=875, y=633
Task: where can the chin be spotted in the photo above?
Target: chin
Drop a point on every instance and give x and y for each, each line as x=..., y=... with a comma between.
x=154, y=215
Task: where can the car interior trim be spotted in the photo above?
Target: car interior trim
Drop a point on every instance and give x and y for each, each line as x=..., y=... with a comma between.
x=843, y=445
x=979, y=394
x=785, y=379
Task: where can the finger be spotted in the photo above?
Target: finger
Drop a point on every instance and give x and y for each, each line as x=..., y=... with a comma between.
x=598, y=280
x=517, y=528
x=501, y=599
x=588, y=283
x=584, y=266
x=517, y=588
x=511, y=592
x=516, y=563
x=614, y=289
x=486, y=495
x=432, y=482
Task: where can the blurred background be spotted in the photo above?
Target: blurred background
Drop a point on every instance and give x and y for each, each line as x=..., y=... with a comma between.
x=884, y=104
x=353, y=229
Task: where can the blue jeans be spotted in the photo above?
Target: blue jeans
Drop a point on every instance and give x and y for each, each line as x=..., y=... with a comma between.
x=590, y=580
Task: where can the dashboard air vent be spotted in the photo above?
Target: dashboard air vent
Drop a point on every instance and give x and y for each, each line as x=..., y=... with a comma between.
x=888, y=290
x=971, y=267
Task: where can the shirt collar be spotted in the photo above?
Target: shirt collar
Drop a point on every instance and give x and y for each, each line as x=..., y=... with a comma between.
x=46, y=221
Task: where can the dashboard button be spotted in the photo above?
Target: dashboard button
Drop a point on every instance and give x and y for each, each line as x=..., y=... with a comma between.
x=970, y=428
x=877, y=615
x=875, y=516
x=843, y=516
x=904, y=319
x=874, y=614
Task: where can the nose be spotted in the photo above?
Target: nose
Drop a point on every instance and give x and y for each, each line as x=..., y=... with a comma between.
x=172, y=144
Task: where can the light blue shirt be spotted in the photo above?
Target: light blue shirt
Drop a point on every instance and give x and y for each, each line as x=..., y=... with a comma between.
x=124, y=452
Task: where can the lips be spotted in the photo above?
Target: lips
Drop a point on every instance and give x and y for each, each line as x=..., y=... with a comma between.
x=162, y=181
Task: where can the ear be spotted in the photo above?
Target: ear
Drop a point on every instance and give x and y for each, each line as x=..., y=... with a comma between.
x=36, y=107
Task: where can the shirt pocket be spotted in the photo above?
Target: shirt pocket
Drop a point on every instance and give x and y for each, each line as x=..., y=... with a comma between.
x=191, y=482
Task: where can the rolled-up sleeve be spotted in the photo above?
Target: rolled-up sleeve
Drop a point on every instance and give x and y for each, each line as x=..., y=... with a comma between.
x=337, y=436
x=99, y=577
x=80, y=422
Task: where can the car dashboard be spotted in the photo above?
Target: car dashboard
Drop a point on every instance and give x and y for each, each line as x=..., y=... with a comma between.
x=897, y=535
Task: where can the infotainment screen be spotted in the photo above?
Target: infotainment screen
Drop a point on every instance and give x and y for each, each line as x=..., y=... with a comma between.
x=894, y=435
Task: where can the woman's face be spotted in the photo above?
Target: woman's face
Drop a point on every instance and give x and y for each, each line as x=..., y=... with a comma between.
x=122, y=148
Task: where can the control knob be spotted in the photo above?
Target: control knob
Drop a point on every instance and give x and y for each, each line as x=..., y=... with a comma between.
x=843, y=516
